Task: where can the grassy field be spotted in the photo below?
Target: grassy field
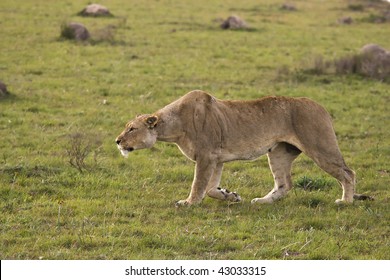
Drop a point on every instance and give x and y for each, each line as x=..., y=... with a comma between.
x=67, y=95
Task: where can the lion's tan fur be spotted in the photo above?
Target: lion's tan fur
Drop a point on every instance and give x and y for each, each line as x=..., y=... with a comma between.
x=211, y=132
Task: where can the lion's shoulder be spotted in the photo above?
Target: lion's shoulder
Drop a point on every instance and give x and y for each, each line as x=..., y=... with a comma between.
x=198, y=96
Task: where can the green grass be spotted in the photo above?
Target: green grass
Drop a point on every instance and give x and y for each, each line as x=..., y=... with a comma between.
x=148, y=55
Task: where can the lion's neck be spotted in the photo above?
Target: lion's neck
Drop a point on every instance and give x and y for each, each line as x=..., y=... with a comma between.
x=161, y=136
x=172, y=131
x=169, y=128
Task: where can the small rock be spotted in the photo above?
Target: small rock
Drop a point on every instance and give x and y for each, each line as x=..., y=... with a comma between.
x=345, y=20
x=95, y=10
x=386, y=15
x=373, y=50
x=288, y=7
x=234, y=22
x=75, y=31
x=3, y=90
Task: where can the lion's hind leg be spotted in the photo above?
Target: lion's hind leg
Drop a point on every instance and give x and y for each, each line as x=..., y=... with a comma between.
x=328, y=158
x=336, y=167
x=280, y=160
x=347, y=181
x=214, y=191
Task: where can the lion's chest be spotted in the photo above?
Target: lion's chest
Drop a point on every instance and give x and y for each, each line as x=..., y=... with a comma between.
x=188, y=150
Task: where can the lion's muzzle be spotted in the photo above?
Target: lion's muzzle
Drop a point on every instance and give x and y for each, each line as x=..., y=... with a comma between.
x=124, y=151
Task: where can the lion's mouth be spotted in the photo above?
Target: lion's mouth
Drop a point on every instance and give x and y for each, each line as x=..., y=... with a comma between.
x=125, y=151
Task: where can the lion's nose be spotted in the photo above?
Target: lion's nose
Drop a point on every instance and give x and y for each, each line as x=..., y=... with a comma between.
x=117, y=141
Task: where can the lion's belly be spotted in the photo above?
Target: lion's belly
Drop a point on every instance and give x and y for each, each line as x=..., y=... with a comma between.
x=225, y=155
x=247, y=154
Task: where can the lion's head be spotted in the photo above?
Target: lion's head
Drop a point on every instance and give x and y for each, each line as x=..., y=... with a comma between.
x=138, y=134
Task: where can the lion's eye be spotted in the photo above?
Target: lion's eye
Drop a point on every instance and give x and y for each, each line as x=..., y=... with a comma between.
x=131, y=129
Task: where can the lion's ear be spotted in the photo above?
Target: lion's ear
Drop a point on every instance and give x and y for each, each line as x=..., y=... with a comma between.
x=152, y=121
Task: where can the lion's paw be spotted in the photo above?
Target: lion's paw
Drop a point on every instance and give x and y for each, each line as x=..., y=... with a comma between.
x=339, y=202
x=342, y=202
x=261, y=201
x=236, y=197
x=229, y=196
x=181, y=203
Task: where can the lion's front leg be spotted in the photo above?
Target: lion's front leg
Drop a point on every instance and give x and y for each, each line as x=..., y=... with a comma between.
x=214, y=191
x=204, y=169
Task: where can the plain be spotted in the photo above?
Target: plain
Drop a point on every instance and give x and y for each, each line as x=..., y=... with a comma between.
x=65, y=191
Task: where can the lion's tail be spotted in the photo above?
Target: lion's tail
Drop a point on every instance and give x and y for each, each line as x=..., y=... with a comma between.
x=362, y=197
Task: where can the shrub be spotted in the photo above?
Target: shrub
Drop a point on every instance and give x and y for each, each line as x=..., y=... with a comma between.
x=319, y=65
x=347, y=65
x=106, y=34
x=376, y=67
x=79, y=147
x=356, y=7
x=370, y=64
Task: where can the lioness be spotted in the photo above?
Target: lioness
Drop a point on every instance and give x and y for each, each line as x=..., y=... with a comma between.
x=211, y=132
